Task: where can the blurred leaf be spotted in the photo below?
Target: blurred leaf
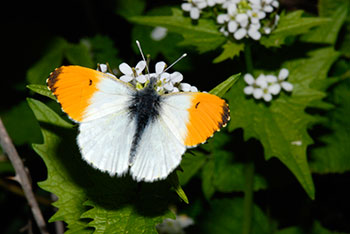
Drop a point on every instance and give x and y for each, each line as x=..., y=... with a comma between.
x=226, y=216
x=78, y=54
x=224, y=86
x=6, y=167
x=228, y=174
x=128, y=8
x=204, y=36
x=42, y=89
x=334, y=155
x=328, y=32
x=190, y=164
x=39, y=72
x=315, y=229
x=230, y=50
x=21, y=125
x=281, y=125
x=174, y=180
x=88, y=198
x=291, y=24
x=102, y=50
x=207, y=183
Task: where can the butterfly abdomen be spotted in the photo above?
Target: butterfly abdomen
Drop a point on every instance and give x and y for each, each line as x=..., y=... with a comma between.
x=144, y=109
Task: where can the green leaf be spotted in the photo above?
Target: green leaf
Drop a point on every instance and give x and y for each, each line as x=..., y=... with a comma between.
x=207, y=183
x=315, y=229
x=281, y=125
x=21, y=125
x=229, y=173
x=127, y=8
x=291, y=24
x=190, y=164
x=230, y=50
x=103, y=50
x=88, y=199
x=204, y=35
x=226, y=216
x=41, y=89
x=224, y=86
x=38, y=73
x=333, y=155
x=78, y=54
x=177, y=187
x=328, y=32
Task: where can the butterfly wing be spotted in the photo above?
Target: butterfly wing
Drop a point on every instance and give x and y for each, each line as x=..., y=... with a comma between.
x=99, y=102
x=86, y=94
x=185, y=120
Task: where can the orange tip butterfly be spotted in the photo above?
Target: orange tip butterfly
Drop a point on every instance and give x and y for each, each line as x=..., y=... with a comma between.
x=122, y=129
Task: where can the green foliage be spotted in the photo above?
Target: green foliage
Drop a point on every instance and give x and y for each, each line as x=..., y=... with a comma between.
x=230, y=50
x=90, y=201
x=289, y=25
x=204, y=36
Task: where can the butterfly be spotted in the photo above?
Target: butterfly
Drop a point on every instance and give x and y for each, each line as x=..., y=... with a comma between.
x=122, y=129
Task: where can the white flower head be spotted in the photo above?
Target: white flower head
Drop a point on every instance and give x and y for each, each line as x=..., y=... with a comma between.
x=175, y=226
x=194, y=7
x=130, y=73
x=159, y=33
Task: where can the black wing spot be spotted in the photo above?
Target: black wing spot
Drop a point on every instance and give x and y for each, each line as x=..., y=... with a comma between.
x=196, y=106
x=90, y=82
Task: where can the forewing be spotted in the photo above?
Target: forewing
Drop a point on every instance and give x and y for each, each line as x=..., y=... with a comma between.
x=86, y=94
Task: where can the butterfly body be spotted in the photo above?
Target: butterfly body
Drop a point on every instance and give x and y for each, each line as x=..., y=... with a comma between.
x=124, y=130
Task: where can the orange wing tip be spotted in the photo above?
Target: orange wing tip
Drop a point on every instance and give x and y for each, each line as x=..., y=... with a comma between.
x=51, y=81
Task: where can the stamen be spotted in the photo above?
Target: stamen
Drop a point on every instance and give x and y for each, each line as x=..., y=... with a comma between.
x=143, y=57
x=177, y=60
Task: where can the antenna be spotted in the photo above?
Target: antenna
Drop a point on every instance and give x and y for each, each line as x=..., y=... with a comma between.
x=143, y=57
x=177, y=60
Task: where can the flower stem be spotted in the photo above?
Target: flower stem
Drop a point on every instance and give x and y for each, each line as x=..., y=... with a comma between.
x=249, y=166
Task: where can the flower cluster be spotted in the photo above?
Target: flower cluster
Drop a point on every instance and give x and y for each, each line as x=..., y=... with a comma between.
x=264, y=86
x=241, y=18
x=171, y=226
x=166, y=82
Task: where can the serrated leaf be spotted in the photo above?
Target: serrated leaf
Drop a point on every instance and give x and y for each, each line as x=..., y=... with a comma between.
x=224, y=86
x=226, y=216
x=204, y=36
x=42, y=90
x=89, y=200
x=328, y=32
x=291, y=24
x=281, y=125
x=333, y=155
x=230, y=50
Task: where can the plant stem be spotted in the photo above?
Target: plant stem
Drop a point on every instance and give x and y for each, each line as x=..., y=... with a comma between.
x=248, y=197
x=249, y=166
x=248, y=58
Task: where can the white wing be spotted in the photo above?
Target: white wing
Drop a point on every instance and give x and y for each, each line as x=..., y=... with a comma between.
x=106, y=131
x=105, y=143
x=161, y=146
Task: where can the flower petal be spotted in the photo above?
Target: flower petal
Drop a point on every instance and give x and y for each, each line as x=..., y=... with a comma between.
x=222, y=18
x=254, y=34
x=176, y=77
x=141, y=79
x=261, y=81
x=168, y=86
x=160, y=66
x=257, y=93
x=194, y=89
x=248, y=90
x=249, y=79
x=267, y=97
x=140, y=66
x=232, y=26
x=103, y=68
x=194, y=13
x=186, y=6
x=287, y=86
x=284, y=73
x=125, y=69
x=126, y=78
x=159, y=33
x=185, y=87
x=271, y=78
x=274, y=89
x=240, y=33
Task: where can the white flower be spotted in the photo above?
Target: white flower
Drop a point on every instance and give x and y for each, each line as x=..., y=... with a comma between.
x=240, y=33
x=103, y=68
x=159, y=33
x=185, y=87
x=264, y=86
x=131, y=73
x=282, y=76
x=171, y=226
x=194, y=7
